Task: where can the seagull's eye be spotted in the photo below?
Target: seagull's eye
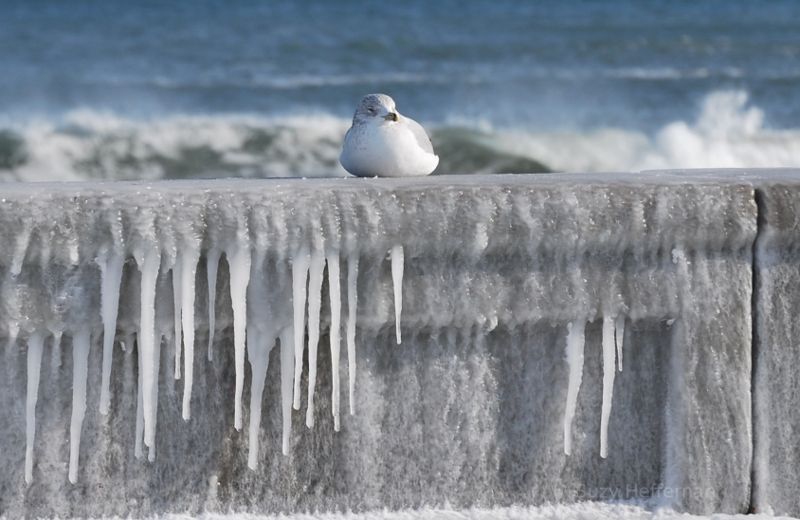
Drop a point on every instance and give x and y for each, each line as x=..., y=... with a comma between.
x=372, y=111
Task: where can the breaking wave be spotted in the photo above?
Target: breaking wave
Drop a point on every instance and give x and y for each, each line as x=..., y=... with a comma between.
x=87, y=144
x=727, y=133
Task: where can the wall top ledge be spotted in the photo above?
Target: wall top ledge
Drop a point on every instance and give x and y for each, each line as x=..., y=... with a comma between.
x=744, y=176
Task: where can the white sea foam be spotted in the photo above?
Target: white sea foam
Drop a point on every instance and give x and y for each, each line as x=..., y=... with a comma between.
x=85, y=144
x=727, y=133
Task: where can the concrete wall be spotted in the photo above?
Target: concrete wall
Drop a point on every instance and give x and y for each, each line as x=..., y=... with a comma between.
x=469, y=409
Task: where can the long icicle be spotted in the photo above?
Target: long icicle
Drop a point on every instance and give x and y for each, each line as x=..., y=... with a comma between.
x=352, y=311
x=397, y=282
x=110, y=279
x=608, y=382
x=35, y=346
x=149, y=268
x=189, y=258
x=258, y=348
x=80, y=368
x=300, y=266
x=316, y=269
x=151, y=448
x=138, y=448
x=212, y=265
x=287, y=373
x=177, y=300
x=575, y=345
x=619, y=338
x=335, y=293
x=239, y=279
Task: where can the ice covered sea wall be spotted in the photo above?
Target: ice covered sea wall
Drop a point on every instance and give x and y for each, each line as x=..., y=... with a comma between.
x=563, y=338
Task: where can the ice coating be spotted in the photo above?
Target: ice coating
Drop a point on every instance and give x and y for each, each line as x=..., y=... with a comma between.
x=335, y=293
x=56, y=353
x=212, y=264
x=260, y=341
x=111, y=273
x=258, y=354
x=555, y=253
x=151, y=448
x=149, y=265
x=352, y=318
x=316, y=268
x=300, y=266
x=20, y=248
x=287, y=375
x=239, y=262
x=81, y=342
x=138, y=448
x=609, y=368
x=35, y=346
x=619, y=338
x=397, y=283
x=177, y=300
x=189, y=260
x=575, y=344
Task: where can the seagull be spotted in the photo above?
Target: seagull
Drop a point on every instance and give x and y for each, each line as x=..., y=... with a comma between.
x=383, y=143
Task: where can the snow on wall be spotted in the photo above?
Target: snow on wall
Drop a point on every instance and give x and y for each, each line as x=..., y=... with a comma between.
x=151, y=286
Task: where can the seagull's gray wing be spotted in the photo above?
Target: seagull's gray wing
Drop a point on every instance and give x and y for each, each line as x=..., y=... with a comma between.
x=419, y=133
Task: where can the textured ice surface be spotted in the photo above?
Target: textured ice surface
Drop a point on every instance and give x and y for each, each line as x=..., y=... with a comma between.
x=777, y=350
x=581, y=511
x=472, y=407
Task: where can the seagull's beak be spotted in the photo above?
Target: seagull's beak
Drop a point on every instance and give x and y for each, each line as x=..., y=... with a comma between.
x=391, y=116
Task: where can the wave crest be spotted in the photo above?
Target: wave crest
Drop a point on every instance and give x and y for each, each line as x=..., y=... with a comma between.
x=87, y=144
x=727, y=133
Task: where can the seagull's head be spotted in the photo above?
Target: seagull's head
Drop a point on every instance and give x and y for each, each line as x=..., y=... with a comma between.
x=376, y=108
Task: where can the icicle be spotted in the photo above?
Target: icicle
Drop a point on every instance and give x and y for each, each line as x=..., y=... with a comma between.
x=177, y=296
x=575, y=344
x=56, y=354
x=151, y=448
x=212, y=264
x=149, y=268
x=335, y=293
x=45, y=251
x=258, y=349
x=608, y=382
x=13, y=332
x=110, y=278
x=397, y=281
x=80, y=369
x=138, y=449
x=239, y=279
x=188, y=270
x=316, y=269
x=20, y=249
x=619, y=338
x=352, y=311
x=300, y=265
x=287, y=370
x=35, y=344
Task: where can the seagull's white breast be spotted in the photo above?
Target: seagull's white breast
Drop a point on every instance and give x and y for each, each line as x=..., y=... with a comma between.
x=388, y=149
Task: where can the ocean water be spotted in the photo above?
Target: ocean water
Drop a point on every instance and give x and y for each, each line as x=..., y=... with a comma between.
x=130, y=90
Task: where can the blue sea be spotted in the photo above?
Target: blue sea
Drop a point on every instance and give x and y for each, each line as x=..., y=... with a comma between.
x=149, y=90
